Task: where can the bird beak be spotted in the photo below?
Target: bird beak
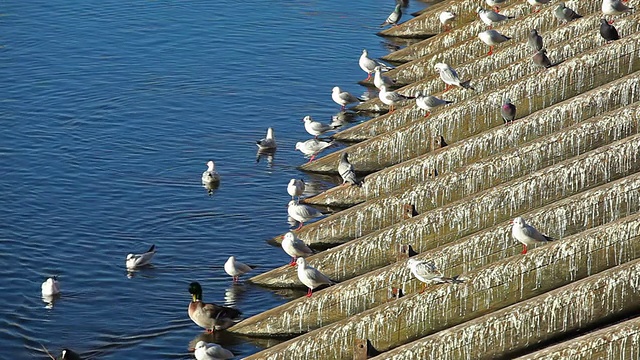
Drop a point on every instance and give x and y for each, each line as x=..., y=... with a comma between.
x=510, y=221
x=193, y=296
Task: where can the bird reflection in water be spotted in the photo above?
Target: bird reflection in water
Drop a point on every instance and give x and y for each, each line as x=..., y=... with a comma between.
x=269, y=155
x=50, y=300
x=234, y=294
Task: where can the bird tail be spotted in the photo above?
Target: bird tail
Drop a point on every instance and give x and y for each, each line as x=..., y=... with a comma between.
x=451, y=280
x=549, y=238
x=555, y=64
x=152, y=248
x=384, y=23
x=448, y=102
x=258, y=142
x=467, y=85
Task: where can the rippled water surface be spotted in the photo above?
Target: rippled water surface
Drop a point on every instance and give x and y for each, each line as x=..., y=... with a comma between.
x=109, y=112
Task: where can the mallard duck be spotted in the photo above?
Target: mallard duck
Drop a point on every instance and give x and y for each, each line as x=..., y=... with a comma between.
x=211, y=351
x=67, y=354
x=210, y=316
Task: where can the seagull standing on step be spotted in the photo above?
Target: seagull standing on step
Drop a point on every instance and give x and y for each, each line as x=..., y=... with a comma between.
x=450, y=77
x=368, y=64
x=302, y=213
x=343, y=98
x=316, y=128
x=429, y=102
x=446, y=18
x=394, y=17
x=492, y=37
x=391, y=98
x=614, y=7
x=311, y=277
x=536, y=4
x=312, y=147
x=380, y=80
x=527, y=234
x=295, y=247
x=426, y=272
x=235, y=268
x=490, y=17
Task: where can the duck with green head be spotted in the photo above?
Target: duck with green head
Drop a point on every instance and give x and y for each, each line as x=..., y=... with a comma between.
x=210, y=316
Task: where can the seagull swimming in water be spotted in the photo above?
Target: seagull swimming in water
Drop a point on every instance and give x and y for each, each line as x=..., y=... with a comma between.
x=211, y=351
x=50, y=287
x=527, y=234
x=269, y=141
x=210, y=176
x=138, y=260
x=311, y=277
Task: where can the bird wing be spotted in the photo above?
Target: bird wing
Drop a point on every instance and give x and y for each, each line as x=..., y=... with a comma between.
x=316, y=276
x=426, y=270
x=218, y=352
x=214, y=311
x=531, y=232
x=450, y=76
x=300, y=246
x=307, y=212
x=317, y=126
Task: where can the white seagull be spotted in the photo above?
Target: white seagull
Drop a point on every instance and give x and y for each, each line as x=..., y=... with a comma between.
x=50, y=287
x=346, y=171
x=211, y=351
x=450, y=77
x=495, y=4
x=368, y=65
x=391, y=98
x=302, y=213
x=138, y=260
x=343, y=98
x=380, y=80
x=210, y=176
x=527, y=234
x=446, y=18
x=295, y=247
x=311, y=148
x=310, y=276
x=492, y=37
x=490, y=17
x=430, y=102
x=268, y=143
x=537, y=3
x=427, y=272
x=316, y=128
x=236, y=268
x=295, y=188
x=614, y=7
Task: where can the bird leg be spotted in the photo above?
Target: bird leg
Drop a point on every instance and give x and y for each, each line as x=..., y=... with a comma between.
x=210, y=331
x=424, y=287
x=490, y=50
x=299, y=226
x=368, y=77
x=524, y=249
x=392, y=109
x=447, y=87
x=427, y=114
x=496, y=9
x=293, y=262
x=536, y=9
x=309, y=292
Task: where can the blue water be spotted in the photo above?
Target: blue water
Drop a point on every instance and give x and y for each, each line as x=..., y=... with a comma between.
x=109, y=112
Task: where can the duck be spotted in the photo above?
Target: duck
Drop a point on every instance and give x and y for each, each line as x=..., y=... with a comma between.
x=138, y=260
x=211, y=317
x=67, y=354
x=210, y=176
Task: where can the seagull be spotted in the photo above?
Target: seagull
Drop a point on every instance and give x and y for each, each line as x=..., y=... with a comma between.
x=295, y=188
x=236, y=268
x=508, y=111
x=138, y=260
x=211, y=317
x=527, y=234
x=492, y=37
x=316, y=128
x=614, y=7
x=391, y=98
x=295, y=247
x=394, y=17
x=211, y=351
x=490, y=17
x=537, y=3
x=343, y=98
x=50, y=287
x=534, y=41
x=608, y=31
x=495, y=3
x=427, y=272
x=210, y=176
x=310, y=276
x=446, y=18
x=346, y=171
x=67, y=354
x=311, y=148
x=380, y=80
x=450, y=77
x=302, y=213
x=540, y=58
x=368, y=65
x=268, y=143
x=565, y=14
x=430, y=102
